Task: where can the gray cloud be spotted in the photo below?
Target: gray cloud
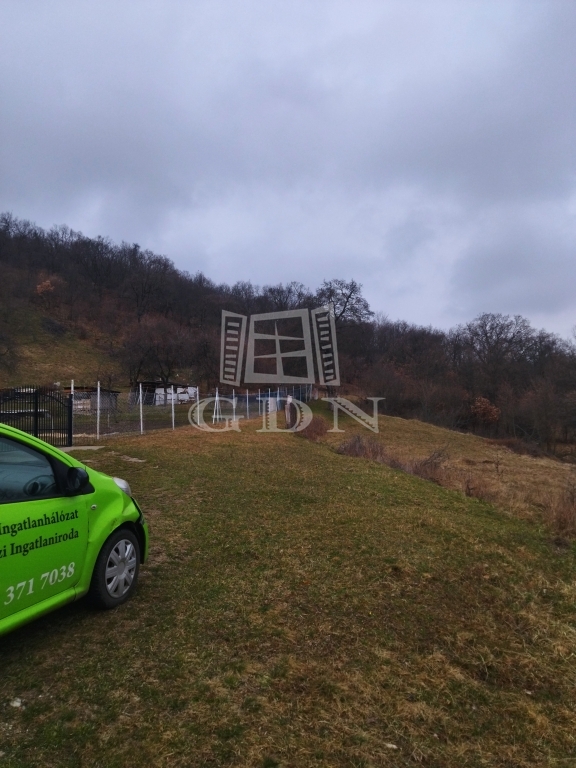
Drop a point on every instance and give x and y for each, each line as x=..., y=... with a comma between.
x=424, y=149
x=524, y=259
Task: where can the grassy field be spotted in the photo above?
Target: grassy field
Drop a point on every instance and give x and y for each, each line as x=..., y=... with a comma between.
x=304, y=608
x=533, y=488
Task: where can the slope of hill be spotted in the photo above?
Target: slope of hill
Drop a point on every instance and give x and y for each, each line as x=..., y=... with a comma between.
x=539, y=488
x=48, y=351
x=495, y=373
x=304, y=608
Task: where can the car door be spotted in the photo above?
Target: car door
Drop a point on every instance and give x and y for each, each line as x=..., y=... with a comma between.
x=43, y=531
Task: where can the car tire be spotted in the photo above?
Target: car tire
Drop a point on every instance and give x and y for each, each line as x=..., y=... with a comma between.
x=116, y=570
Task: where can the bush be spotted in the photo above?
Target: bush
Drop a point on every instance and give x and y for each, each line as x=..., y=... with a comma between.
x=560, y=510
x=315, y=430
x=431, y=468
x=519, y=446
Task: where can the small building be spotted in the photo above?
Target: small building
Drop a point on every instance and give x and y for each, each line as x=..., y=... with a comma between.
x=156, y=393
x=86, y=399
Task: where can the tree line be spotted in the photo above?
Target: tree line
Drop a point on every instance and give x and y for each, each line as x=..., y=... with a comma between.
x=496, y=374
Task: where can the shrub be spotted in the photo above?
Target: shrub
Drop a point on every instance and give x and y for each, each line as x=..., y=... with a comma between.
x=523, y=447
x=370, y=449
x=315, y=430
x=431, y=468
x=561, y=510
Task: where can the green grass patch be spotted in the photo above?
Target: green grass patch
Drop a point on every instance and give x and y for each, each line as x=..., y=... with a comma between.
x=303, y=608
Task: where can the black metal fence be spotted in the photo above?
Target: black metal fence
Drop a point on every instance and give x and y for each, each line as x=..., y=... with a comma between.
x=44, y=413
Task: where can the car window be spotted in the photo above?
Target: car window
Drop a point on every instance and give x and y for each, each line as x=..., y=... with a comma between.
x=25, y=474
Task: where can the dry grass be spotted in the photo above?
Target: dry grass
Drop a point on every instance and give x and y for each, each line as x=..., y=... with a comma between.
x=435, y=467
x=522, y=484
x=316, y=430
x=304, y=608
x=561, y=510
x=45, y=357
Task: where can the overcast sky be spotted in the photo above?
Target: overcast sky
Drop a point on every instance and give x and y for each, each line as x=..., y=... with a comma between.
x=426, y=149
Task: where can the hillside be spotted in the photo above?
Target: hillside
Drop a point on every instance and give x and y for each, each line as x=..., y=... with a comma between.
x=305, y=608
x=495, y=374
x=534, y=487
x=50, y=351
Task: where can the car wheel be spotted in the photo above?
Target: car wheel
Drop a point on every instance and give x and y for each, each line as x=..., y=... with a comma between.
x=116, y=571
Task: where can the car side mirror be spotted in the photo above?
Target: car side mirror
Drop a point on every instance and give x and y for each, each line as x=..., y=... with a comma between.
x=76, y=480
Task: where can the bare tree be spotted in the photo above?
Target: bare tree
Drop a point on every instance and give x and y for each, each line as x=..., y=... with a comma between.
x=146, y=275
x=135, y=353
x=496, y=345
x=346, y=296
x=293, y=295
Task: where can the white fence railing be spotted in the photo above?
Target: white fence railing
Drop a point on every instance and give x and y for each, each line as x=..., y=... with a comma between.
x=100, y=412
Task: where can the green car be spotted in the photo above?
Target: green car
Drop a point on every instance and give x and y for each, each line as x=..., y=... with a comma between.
x=65, y=531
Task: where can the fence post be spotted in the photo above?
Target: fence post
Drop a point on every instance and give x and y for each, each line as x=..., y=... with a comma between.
x=98, y=411
x=71, y=419
x=70, y=409
x=173, y=425
x=35, y=416
x=217, y=412
x=141, y=412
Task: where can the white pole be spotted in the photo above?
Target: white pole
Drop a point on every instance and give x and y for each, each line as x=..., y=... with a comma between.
x=247, y=406
x=233, y=405
x=259, y=406
x=173, y=424
x=98, y=411
x=141, y=412
x=72, y=396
